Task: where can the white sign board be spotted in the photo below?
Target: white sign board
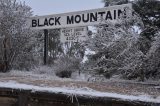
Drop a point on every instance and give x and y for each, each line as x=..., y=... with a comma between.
x=78, y=34
x=79, y=18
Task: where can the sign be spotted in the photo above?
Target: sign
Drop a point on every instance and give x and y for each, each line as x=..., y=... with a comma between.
x=77, y=34
x=79, y=18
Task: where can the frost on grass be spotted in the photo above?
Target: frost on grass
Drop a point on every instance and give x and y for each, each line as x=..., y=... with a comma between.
x=42, y=70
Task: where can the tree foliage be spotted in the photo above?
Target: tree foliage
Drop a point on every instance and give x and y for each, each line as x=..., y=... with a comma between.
x=15, y=35
x=116, y=49
x=149, y=11
x=55, y=47
x=137, y=57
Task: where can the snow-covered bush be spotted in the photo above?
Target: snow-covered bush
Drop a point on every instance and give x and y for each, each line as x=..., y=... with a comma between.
x=65, y=65
x=42, y=70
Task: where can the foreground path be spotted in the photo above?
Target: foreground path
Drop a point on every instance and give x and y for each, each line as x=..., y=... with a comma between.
x=40, y=91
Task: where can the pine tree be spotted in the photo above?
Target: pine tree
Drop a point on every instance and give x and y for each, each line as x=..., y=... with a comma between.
x=149, y=11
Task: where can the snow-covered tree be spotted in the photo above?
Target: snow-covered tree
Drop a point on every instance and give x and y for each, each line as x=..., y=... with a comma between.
x=129, y=49
x=116, y=48
x=15, y=33
x=148, y=10
x=151, y=63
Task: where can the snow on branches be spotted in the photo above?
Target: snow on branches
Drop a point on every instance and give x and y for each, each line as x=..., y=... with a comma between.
x=117, y=49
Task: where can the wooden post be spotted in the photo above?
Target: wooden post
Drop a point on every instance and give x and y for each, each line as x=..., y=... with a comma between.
x=45, y=46
x=6, y=68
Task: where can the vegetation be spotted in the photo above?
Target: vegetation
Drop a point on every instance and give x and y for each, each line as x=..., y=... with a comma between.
x=119, y=50
x=14, y=34
x=129, y=49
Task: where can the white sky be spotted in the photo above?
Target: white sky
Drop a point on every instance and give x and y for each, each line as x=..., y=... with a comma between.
x=47, y=7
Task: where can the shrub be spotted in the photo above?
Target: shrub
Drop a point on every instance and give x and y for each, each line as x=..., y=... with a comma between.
x=65, y=65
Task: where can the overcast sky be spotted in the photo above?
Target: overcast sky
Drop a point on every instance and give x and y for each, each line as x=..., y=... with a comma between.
x=46, y=7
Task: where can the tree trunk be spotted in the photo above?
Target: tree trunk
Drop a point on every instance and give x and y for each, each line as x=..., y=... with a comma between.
x=6, y=45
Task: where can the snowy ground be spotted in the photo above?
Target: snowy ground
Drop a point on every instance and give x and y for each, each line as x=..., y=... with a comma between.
x=126, y=90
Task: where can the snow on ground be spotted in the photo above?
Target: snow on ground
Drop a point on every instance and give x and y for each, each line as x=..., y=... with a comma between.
x=46, y=81
x=78, y=91
x=46, y=73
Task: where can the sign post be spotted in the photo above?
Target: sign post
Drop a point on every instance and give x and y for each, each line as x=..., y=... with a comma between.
x=45, y=46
